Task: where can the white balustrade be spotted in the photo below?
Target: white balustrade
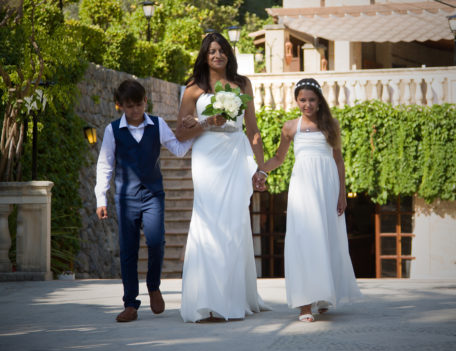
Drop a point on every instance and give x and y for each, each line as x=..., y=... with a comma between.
x=332, y=100
x=289, y=96
x=429, y=92
x=430, y=85
x=374, y=95
x=258, y=100
x=352, y=92
x=418, y=92
x=386, y=96
x=396, y=92
x=268, y=101
x=278, y=95
x=407, y=97
x=342, y=95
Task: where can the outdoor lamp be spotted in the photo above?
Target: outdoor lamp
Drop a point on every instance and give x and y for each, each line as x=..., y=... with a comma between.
x=148, y=9
x=91, y=135
x=234, y=33
x=452, y=23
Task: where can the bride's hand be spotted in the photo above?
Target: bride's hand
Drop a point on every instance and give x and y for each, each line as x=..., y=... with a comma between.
x=217, y=120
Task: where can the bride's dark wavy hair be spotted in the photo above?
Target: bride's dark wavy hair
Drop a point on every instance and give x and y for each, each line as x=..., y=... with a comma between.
x=200, y=74
x=325, y=121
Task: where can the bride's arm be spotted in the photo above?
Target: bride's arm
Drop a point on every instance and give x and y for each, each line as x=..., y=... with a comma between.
x=253, y=133
x=187, y=109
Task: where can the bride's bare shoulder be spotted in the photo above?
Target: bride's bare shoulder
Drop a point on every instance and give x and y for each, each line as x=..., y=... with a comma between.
x=193, y=91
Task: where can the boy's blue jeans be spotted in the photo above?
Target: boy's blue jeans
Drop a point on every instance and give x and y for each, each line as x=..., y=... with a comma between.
x=147, y=209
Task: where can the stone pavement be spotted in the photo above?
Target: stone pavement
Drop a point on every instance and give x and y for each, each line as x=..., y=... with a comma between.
x=79, y=315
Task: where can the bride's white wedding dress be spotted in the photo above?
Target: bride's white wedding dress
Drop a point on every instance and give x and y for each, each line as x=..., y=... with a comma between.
x=219, y=275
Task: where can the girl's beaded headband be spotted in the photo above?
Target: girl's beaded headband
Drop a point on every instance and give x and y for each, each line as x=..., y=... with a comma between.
x=308, y=83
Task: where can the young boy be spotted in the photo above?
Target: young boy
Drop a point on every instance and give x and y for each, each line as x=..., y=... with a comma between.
x=131, y=148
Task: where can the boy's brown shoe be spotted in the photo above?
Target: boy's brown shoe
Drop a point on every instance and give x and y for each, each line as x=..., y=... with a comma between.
x=157, y=304
x=128, y=315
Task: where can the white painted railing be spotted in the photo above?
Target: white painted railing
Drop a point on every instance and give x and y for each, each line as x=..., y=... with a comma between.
x=421, y=86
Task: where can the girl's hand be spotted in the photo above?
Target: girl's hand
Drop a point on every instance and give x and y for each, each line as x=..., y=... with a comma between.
x=341, y=205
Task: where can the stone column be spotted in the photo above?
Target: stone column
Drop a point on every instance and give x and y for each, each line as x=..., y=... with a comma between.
x=33, y=232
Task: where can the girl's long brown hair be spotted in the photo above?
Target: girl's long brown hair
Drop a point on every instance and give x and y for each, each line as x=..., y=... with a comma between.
x=325, y=121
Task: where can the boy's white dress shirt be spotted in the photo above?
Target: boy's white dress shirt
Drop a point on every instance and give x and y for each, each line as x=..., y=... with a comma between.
x=106, y=159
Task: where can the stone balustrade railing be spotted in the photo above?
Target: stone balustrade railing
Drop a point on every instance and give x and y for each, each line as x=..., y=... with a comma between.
x=421, y=86
x=33, y=231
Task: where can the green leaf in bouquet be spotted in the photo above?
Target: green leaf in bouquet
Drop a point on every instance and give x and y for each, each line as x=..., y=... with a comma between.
x=209, y=110
x=218, y=86
x=227, y=87
x=237, y=91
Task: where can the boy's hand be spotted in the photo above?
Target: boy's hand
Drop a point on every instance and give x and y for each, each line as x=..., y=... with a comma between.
x=102, y=212
x=189, y=121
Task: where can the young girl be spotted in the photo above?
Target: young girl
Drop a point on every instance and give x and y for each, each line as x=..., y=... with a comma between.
x=318, y=269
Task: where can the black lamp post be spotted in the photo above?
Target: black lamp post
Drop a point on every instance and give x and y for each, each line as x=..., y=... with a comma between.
x=234, y=33
x=148, y=9
x=36, y=105
x=452, y=23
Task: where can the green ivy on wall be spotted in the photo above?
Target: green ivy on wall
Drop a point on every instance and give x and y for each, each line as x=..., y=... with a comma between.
x=387, y=150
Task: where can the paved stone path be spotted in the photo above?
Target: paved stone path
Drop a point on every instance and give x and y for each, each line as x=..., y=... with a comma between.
x=79, y=315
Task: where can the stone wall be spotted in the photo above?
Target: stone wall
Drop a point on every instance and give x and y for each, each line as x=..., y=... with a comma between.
x=99, y=253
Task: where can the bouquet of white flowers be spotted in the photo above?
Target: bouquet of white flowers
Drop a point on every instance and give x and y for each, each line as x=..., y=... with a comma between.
x=227, y=102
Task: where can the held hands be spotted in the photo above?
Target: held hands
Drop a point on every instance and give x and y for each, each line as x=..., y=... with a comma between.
x=102, y=212
x=190, y=122
x=259, y=181
x=217, y=120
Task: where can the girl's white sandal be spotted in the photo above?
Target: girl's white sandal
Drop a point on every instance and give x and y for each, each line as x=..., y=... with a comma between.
x=306, y=318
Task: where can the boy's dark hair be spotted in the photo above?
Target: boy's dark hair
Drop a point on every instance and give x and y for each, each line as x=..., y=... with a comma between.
x=129, y=90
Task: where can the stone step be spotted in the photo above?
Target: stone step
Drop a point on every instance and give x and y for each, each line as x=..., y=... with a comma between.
x=171, y=252
x=178, y=214
x=170, y=266
x=172, y=239
x=173, y=173
x=174, y=162
x=178, y=203
x=182, y=193
x=176, y=225
x=177, y=184
x=164, y=152
x=176, y=238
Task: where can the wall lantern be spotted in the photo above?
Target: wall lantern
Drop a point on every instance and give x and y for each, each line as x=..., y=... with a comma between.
x=91, y=135
x=148, y=9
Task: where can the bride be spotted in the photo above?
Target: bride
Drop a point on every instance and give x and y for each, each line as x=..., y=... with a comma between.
x=219, y=277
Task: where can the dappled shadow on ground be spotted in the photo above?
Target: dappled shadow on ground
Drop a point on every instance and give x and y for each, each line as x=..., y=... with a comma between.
x=80, y=315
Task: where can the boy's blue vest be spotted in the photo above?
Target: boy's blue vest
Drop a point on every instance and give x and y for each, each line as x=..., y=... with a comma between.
x=137, y=163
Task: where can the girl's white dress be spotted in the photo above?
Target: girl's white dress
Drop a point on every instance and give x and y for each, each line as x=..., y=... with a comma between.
x=219, y=274
x=318, y=269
